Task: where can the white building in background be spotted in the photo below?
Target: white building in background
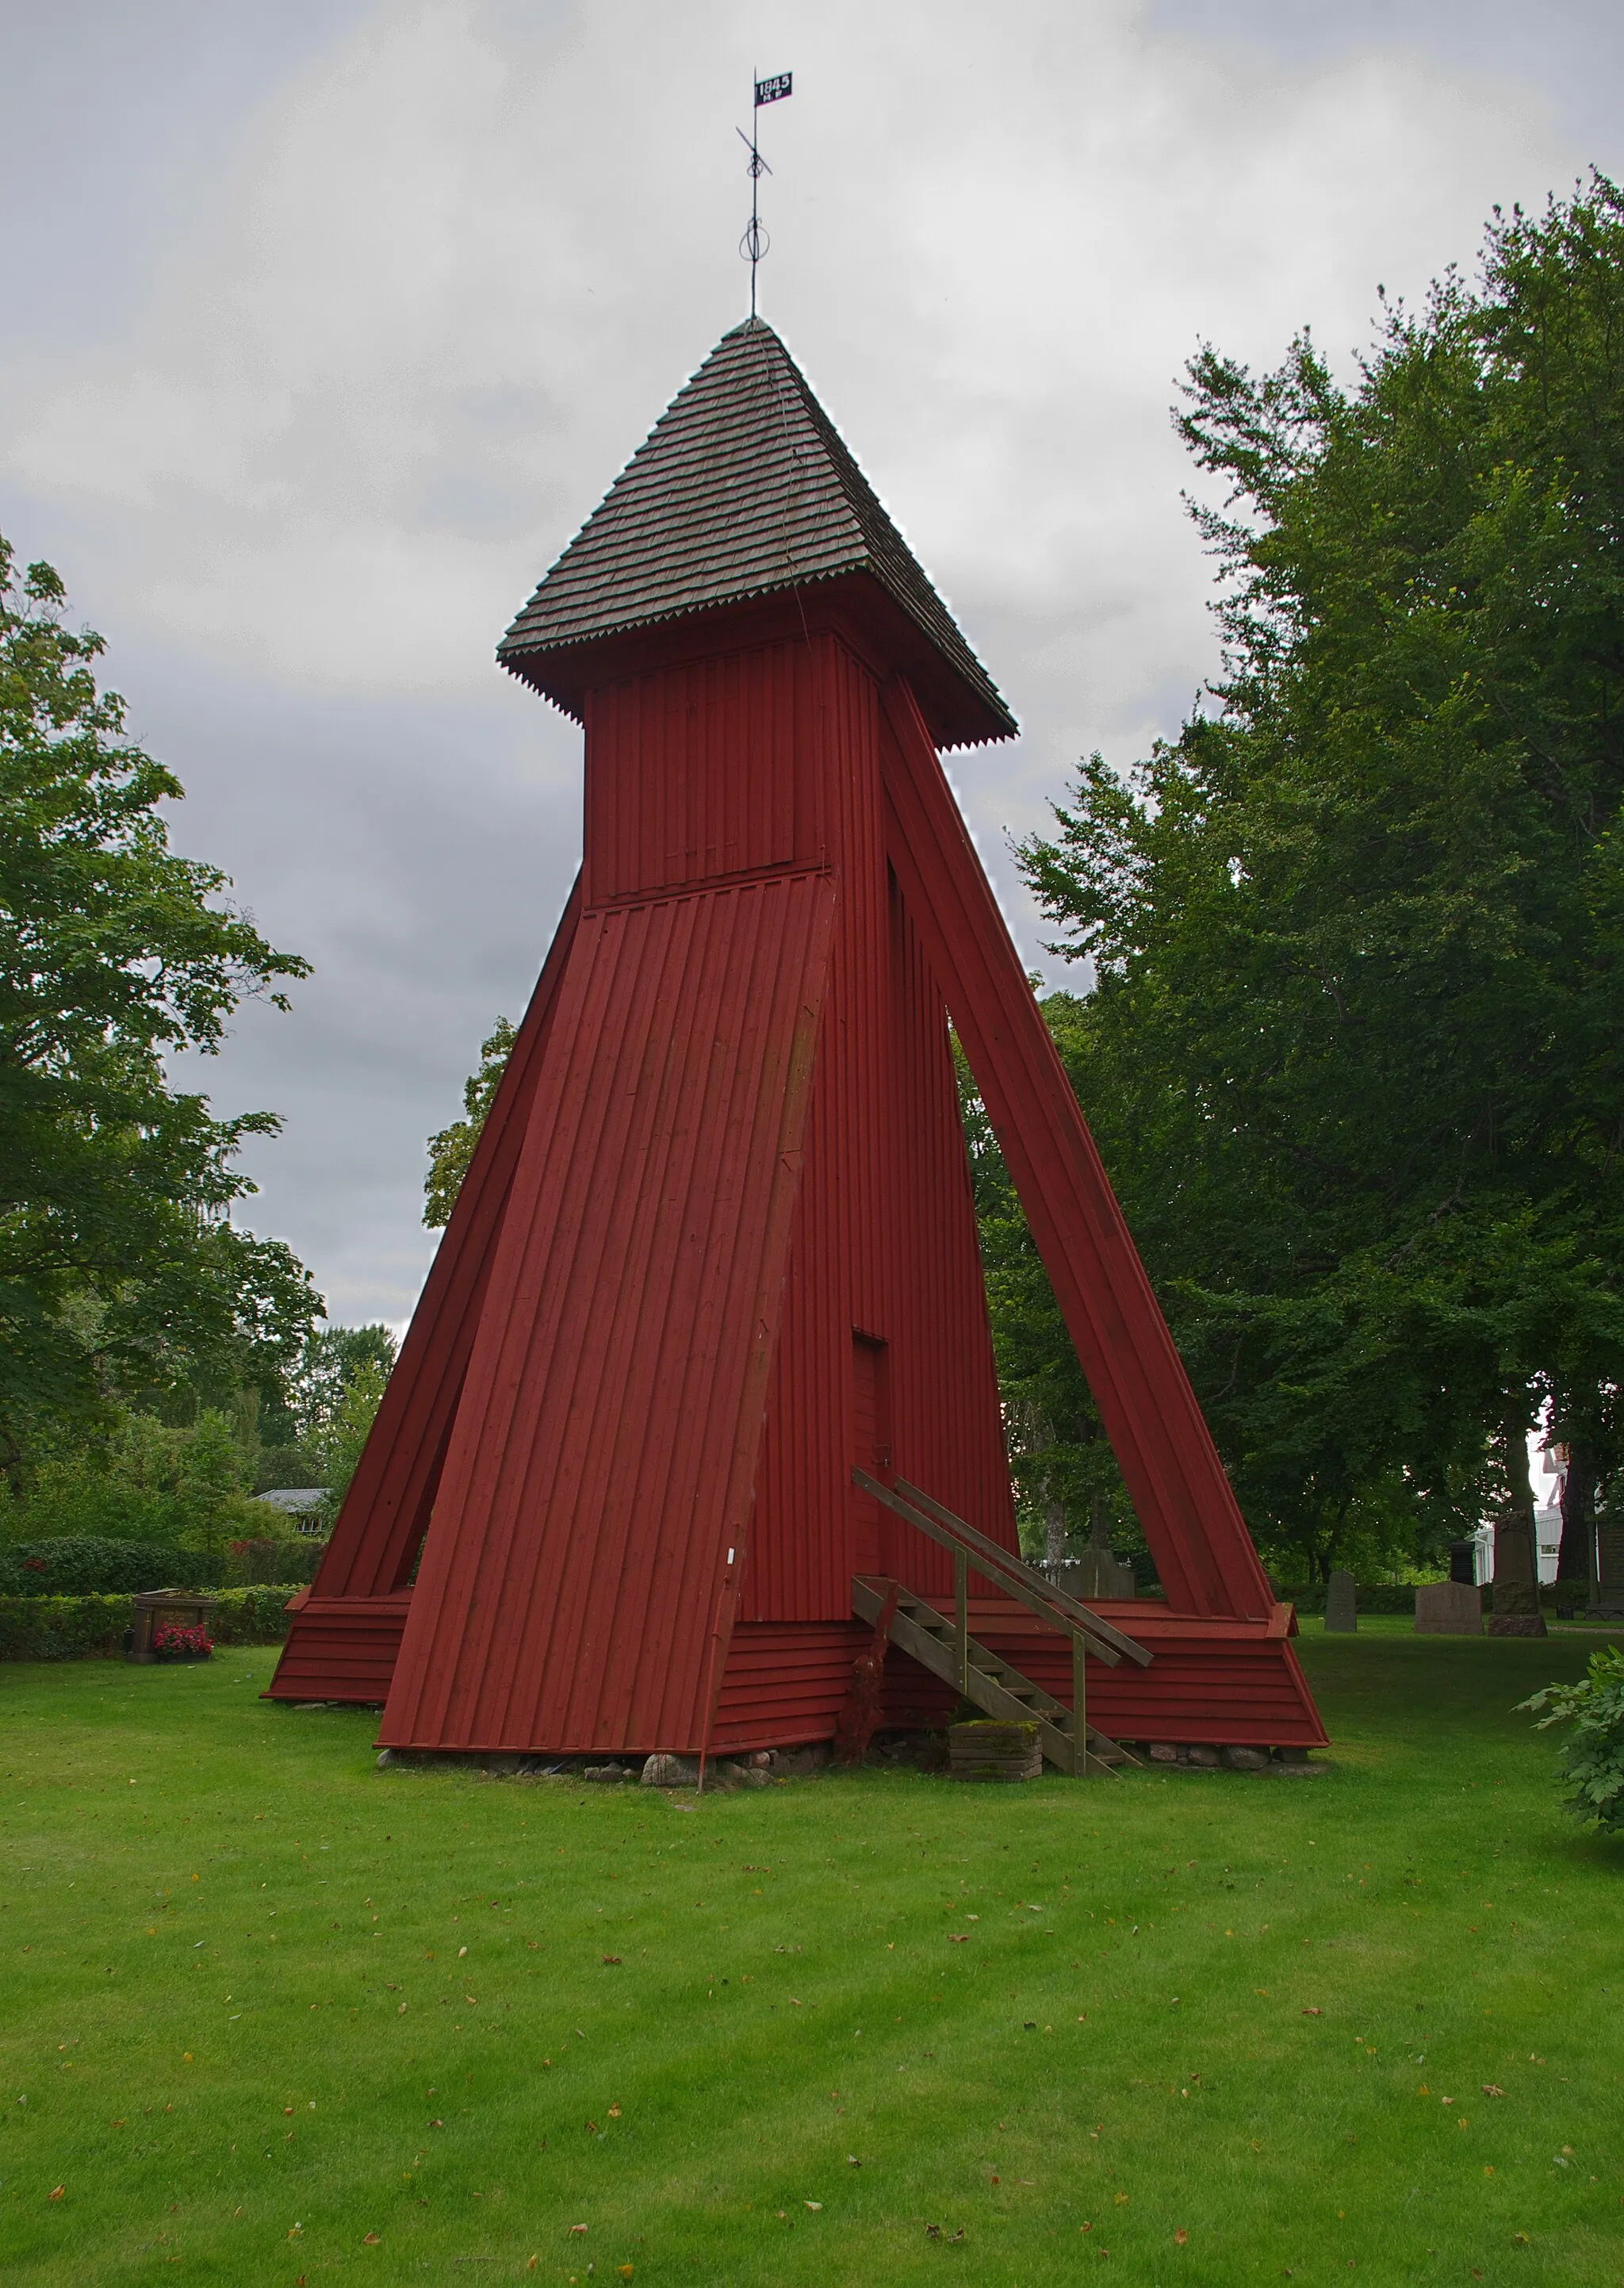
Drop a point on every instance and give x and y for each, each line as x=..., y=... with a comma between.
x=1548, y=1526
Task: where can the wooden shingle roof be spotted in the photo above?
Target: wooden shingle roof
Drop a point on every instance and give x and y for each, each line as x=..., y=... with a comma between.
x=743, y=489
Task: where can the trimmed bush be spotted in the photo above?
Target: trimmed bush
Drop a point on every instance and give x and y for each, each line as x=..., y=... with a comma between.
x=87, y=1565
x=271, y=1558
x=92, y=1628
x=1377, y=1597
x=245, y=1616
x=63, y=1628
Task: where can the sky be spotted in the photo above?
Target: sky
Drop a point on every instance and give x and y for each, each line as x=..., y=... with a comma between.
x=326, y=324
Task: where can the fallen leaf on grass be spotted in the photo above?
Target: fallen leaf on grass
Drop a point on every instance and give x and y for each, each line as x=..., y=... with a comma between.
x=1181, y=2237
x=57, y=2191
x=1519, y=2239
x=1314, y=2014
x=814, y=2205
x=624, y=2270
x=958, y=1938
x=614, y=2113
x=370, y=2239
x=1122, y=2199
x=612, y=1962
x=577, y=2228
x=1492, y=2089
x=933, y=2232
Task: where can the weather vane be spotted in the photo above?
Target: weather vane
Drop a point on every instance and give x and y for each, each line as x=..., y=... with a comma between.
x=755, y=242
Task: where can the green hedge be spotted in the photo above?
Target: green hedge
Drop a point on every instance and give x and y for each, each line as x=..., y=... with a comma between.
x=92, y=1628
x=1376, y=1597
x=91, y=1565
x=88, y=1565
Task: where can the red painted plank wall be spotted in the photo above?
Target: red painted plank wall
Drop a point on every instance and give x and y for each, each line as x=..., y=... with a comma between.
x=598, y=1478
x=884, y=1243
x=714, y=767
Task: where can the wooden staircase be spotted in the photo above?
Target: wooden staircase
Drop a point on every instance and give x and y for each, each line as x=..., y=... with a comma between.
x=946, y=1648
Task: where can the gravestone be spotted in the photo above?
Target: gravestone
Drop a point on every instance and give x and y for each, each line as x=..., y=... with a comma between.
x=1097, y=1572
x=1340, y=1603
x=1608, y=1602
x=1449, y=1608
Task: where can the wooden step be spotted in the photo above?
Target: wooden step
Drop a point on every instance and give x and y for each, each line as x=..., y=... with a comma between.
x=996, y=1688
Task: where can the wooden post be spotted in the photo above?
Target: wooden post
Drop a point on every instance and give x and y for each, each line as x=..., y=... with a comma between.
x=1079, y=1709
x=961, y=1597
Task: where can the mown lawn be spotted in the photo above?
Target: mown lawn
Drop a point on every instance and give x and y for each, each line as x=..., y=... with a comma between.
x=272, y=2015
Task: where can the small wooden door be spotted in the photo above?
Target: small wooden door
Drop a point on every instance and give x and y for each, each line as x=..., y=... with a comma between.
x=870, y=1445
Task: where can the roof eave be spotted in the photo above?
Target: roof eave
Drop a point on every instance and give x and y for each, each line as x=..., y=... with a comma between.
x=959, y=711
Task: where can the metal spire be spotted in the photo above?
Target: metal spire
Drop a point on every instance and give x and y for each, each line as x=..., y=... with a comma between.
x=755, y=242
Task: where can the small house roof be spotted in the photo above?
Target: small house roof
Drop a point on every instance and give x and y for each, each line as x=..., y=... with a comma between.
x=742, y=488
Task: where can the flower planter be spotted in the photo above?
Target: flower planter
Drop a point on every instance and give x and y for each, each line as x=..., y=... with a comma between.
x=170, y=1625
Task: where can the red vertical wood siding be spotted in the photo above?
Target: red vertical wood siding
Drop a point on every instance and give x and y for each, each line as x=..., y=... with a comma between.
x=714, y=769
x=949, y=1421
x=885, y=1236
x=1192, y=1521
x=385, y=1514
x=577, y=1579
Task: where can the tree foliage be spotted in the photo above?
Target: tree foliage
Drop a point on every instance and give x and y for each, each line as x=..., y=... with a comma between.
x=451, y=1151
x=1593, y=1754
x=1354, y=1055
x=119, y=1272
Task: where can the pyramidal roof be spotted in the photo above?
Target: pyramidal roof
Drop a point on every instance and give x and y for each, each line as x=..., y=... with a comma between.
x=742, y=488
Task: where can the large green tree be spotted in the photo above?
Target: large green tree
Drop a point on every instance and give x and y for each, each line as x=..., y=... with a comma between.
x=1353, y=1052
x=121, y=1275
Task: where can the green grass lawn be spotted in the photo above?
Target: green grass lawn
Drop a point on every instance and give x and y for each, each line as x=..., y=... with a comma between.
x=273, y=2015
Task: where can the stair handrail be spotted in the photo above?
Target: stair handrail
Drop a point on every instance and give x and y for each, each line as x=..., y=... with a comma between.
x=917, y=1509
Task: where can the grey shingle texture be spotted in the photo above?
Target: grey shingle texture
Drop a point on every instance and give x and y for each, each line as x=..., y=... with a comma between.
x=743, y=487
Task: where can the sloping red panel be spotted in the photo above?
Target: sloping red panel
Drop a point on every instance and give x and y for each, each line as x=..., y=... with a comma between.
x=1192, y=1521
x=381, y=1526
x=577, y=1583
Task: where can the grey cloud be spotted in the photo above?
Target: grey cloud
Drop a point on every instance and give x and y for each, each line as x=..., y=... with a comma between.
x=339, y=318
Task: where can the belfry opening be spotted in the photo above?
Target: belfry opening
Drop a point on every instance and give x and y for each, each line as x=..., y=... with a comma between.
x=698, y=1415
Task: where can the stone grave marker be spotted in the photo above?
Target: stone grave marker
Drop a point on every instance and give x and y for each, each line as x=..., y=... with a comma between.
x=1449, y=1608
x=1340, y=1603
x=1608, y=1602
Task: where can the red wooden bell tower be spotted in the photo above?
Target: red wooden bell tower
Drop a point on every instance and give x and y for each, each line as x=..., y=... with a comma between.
x=717, y=1247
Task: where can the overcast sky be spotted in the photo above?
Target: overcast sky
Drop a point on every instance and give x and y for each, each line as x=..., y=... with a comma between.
x=324, y=324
